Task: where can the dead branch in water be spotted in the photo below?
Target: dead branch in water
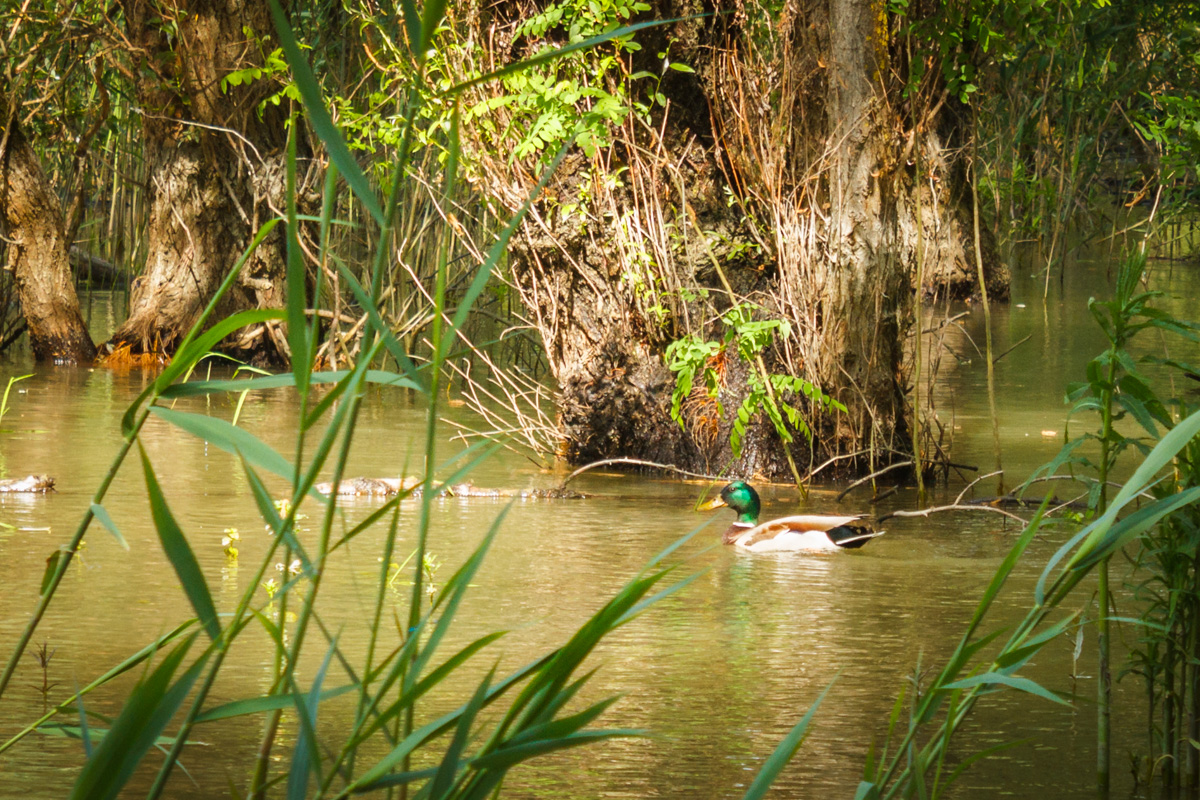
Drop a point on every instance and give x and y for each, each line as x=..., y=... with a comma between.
x=872, y=476
x=637, y=462
x=925, y=512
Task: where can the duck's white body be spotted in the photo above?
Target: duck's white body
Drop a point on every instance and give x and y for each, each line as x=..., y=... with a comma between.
x=803, y=532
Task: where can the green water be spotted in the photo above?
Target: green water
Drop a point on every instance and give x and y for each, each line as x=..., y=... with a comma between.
x=716, y=674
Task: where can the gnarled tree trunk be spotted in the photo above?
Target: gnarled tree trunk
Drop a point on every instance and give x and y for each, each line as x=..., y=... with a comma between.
x=216, y=156
x=37, y=248
x=793, y=175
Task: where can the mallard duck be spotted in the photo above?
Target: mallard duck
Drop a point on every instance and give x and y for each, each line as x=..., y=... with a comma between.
x=803, y=532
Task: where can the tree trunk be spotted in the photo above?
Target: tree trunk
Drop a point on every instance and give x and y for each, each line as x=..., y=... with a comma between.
x=803, y=196
x=860, y=300
x=216, y=158
x=37, y=250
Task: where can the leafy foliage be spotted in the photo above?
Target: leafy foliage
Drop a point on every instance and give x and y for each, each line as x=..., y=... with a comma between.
x=691, y=356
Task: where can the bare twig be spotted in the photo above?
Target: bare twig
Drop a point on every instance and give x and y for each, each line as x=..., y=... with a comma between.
x=925, y=512
x=968, y=487
x=872, y=476
x=638, y=462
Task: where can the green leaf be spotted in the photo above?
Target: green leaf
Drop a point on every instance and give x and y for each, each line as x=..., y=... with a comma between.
x=175, y=545
x=146, y=713
x=435, y=10
x=784, y=752
x=270, y=702
x=1162, y=454
x=101, y=514
x=51, y=568
x=318, y=115
x=229, y=438
x=297, y=300
x=306, y=755
x=1012, y=681
x=1135, y=525
x=195, y=388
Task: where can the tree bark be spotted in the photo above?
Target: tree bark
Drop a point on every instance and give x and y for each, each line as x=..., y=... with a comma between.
x=805, y=193
x=37, y=251
x=217, y=173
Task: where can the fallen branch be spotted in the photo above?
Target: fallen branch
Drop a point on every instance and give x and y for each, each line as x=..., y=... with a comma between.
x=637, y=462
x=925, y=512
x=1014, y=347
x=871, y=477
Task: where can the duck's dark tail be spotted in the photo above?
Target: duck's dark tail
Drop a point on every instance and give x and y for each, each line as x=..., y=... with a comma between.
x=851, y=537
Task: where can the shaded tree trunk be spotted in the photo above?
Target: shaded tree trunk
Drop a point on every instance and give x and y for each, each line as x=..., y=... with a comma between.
x=792, y=175
x=37, y=249
x=217, y=173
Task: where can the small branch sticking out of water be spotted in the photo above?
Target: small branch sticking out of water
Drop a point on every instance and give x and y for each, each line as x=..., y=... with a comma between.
x=637, y=462
x=967, y=488
x=1014, y=347
x=871, y=477
x=925, y=512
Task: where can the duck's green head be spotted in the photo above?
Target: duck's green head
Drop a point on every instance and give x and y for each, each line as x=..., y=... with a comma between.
x=741, y=497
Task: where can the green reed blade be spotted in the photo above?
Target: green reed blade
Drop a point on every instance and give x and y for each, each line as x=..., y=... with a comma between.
x=146, y=713
x=509, y=757
x=266, y=508
x=306, y=755
x=99, y=512
x=270, y=702
x=229, y=438
x=285, y=380
x=452, y=759
x=1163, y=453
x=1135, y=525
x=51, y=570
x=413, y=27
x=318, y=115
x=989, y=679
x=179, y=553
x=786, y=749
x=431, y=18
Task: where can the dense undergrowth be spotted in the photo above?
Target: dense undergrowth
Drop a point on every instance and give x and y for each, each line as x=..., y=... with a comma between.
x=509, y=719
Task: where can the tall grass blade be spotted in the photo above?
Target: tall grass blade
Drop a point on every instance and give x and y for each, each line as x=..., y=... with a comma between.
x=451, y=761
x=314, y=104
x=297, y=300
x=1012, y=681
x=1163, y=453
x=1134, y=525
x=231, y=439
x=434, y=11
x=784, y=752
x=286, y=380
x=146, y=713
x=175, y=545
x=266, y=508
x=99, y=512
x=412, y=26
x=50, y=571
x=306, y=755
x=270, y=702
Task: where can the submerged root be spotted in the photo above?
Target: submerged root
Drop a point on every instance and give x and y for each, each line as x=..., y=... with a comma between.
x=123, y=357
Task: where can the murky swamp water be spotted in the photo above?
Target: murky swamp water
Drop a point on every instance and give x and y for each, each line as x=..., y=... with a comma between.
x=717, y=674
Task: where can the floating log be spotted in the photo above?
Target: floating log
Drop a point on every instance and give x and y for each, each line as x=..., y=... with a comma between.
x=383, y=487
x=30, y=484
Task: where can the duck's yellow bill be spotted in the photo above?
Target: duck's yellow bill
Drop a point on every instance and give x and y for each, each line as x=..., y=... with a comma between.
x=716, y=502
